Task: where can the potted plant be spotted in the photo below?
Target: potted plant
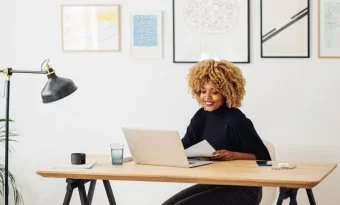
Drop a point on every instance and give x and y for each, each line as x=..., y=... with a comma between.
x=18, y=200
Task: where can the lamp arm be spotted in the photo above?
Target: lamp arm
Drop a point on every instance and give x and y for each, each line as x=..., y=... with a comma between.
x=45, y=69
x=9, y=70
x=29, y=71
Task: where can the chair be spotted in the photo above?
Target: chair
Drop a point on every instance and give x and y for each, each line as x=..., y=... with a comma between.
x=269, y=193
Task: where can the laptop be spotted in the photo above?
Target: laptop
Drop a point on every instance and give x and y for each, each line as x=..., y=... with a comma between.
x=158, y=147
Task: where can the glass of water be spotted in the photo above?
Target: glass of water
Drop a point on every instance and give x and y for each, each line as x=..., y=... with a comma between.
x=117, y=151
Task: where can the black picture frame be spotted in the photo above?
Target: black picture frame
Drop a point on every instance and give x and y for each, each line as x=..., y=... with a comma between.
x=285, y=28
x=211, y=30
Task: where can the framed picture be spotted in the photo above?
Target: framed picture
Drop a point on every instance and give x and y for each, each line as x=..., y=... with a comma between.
x=211, y=29
x=90, y=27
x=285, y=29
x=329, y=28
x=146, y=35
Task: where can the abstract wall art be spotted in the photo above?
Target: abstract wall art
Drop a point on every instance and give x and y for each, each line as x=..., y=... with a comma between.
x=90, y=28
x=329, y=28
x=210, y=29
x=285, y=29
x=146, y=35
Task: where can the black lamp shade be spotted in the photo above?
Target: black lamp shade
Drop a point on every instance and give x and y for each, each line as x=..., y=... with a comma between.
x=57, y=88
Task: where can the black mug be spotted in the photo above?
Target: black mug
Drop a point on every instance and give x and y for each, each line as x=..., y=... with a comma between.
x=78, y=158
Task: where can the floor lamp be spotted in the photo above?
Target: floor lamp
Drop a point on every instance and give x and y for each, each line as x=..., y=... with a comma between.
x=55, y=89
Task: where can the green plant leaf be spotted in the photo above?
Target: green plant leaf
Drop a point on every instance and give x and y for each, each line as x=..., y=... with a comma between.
x=18, y=199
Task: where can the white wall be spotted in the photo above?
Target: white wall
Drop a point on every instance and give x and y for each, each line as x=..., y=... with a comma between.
x=292, y=102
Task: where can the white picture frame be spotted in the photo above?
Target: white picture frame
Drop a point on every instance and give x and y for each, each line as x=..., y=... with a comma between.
x=211, y=29
x=329, y=29
x=90, y=27
x=146, y=35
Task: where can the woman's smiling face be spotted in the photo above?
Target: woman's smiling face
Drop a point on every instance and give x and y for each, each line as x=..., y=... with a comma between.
x=211, y=98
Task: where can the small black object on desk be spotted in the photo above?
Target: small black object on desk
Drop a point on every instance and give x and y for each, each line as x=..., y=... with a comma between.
x=78, y=158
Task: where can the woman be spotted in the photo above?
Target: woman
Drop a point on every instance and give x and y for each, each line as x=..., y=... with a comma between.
x=218, y=86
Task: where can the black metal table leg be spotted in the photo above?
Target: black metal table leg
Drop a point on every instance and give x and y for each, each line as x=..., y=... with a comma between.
x=80, y=184
x=286, y=193
x=86, y=199
x=68, y=195
x=91, y=191
x=82, y=194
x=311, y=197
x=291, y=194
x=109, y=192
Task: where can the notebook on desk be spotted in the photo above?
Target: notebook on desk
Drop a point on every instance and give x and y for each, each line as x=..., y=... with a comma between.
x=158, y=147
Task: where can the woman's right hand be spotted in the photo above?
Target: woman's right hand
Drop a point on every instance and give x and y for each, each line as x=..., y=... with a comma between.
x=224, y=155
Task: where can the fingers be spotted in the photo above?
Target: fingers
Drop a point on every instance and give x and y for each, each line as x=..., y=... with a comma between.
x=222, y=155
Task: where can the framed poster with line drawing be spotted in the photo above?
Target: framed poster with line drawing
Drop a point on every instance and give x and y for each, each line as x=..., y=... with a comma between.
x=329, y=29
x=285, y=29
x=90, y=28
x=211, y=29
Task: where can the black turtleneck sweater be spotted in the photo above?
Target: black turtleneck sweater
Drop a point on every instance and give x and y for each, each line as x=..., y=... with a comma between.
x=225, y=128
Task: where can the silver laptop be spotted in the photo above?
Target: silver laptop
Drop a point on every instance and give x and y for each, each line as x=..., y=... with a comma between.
x=158, y=147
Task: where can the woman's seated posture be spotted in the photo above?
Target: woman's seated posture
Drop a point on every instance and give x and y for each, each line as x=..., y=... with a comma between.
x=219, y=88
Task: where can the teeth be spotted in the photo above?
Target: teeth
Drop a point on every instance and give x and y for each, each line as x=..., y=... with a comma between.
x=209, y=103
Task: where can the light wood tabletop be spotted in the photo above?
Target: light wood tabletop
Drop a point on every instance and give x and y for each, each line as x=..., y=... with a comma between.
x=246, y=173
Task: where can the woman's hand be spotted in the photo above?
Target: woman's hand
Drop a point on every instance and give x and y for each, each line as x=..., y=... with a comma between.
x=224, y=155
x=227, y=155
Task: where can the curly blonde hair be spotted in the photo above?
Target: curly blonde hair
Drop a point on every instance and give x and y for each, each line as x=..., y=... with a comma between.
x=226, y=77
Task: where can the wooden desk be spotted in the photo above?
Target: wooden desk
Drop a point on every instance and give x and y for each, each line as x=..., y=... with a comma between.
x=245, y=173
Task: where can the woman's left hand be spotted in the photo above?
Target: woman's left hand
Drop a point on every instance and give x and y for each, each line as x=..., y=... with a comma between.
x=223, y=155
